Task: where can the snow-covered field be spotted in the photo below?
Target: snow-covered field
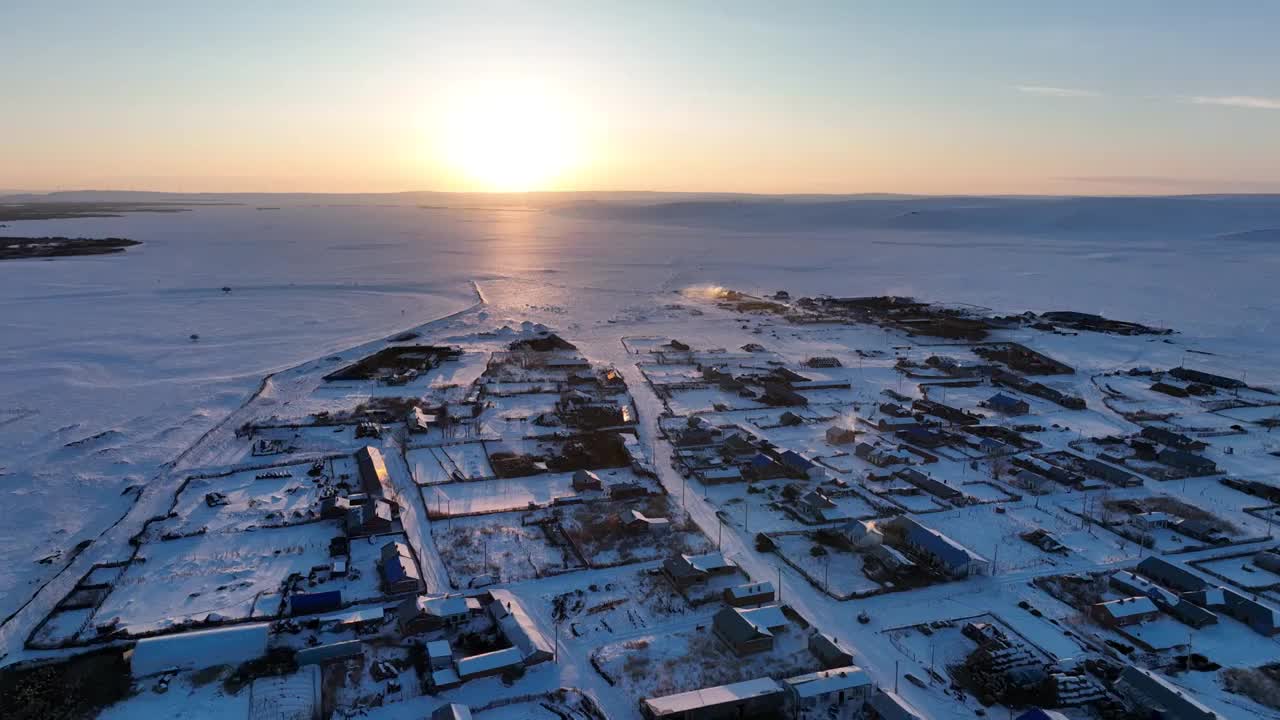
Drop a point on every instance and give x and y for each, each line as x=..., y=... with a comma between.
x=103, y=387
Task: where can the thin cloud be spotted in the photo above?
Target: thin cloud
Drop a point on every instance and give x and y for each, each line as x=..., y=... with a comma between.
x=1051, y=91
x=1252, y=102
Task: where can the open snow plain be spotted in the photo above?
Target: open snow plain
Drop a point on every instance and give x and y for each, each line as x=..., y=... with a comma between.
x=103, y=387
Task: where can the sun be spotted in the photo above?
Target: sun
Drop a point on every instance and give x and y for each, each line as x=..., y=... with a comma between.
x=513, y=139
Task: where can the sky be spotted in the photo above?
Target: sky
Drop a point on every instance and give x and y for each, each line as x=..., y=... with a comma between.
x=1134, y=97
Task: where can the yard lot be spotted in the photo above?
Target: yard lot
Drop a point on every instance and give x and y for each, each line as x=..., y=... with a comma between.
x=468, y=459
x=656, y=665
x=839, y=572
x=688, y=402
x=514, y=551
x=1242, y=572
x=425, y=466
x=599, y=531
x=505, y=494
x=223, y=575
x=630, y=602
x=253, y=502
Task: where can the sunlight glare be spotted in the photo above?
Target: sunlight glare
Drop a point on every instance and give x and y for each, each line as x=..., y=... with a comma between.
x=511, y=139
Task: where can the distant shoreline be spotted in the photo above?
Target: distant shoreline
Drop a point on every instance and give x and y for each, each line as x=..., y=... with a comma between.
x=26, y=248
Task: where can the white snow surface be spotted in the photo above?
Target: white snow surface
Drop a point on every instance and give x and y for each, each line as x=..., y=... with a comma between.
x=101, y=387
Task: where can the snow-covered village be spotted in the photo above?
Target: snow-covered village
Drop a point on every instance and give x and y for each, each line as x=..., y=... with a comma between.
x=722, y=504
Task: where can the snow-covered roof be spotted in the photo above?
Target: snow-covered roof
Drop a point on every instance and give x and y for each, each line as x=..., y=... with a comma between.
x=517, y=626
x=828, y=681
x=439, y=648
x=452, y=711
x=751, y=590
x=711, y=697
x=487, y=662
x=707, y=562
x=202, y=648
x=1164, y=694
x=354, y=616
x=767, y=617
x=1128, y=607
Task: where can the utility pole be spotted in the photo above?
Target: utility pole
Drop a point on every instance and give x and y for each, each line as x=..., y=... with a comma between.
x=779, y=569
x=719, y=530
x=557, y=651
x=746, y=515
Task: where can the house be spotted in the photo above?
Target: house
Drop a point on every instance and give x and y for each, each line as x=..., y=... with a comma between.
x=334, y=507
x=1204, y=378
x=836, y=694
x=1189, y=613
x=1169, y=389
x=756, y=593
x=862, y=533
x=1153, y=520
x=1191, y=462
x=934, y=487
x=797, y=463
x=1261, y=618
x=888, y=705
x=891, y=558
x=231, y=645
x=1126, y=611
x=399, y=570
x=750, y=698
x=763, y=467
x=1152, y=695
x=837, y=435
x=951, y=556
x=1031, y=481
x=779, y=394
x=518, y=627
x=584, y=480
x=316, y=602
x=1171, y=574
x=452, y=711
x=1202, y=530
x=1171, y=439
x=490, y=663
x=748, y=631
x=420, y=422
x=881, y=456
x=1111, y=474
x=817, y=507
x=374, y=478
x=428, y=612
x=1046, y=541
x=823, y=361
x=320, y=654
x=373, y=516
x=625, y=490
x=637, y=522
x=439, y=654
x=686, y=570
x=922, y=437
x=1006, y=405
x=829, y=651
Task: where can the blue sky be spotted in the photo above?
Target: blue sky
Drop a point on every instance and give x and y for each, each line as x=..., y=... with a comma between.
x=1084, y=97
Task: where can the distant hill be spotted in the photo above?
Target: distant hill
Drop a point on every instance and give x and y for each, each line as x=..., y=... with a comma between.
x=1153, y=217
x=1261, y=236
